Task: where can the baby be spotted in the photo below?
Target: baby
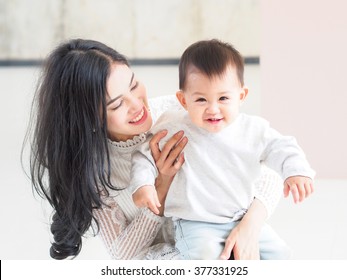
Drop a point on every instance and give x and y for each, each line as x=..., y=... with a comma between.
x=223, y=158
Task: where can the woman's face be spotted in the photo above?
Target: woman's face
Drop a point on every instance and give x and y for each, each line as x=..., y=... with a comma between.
x=127, y=105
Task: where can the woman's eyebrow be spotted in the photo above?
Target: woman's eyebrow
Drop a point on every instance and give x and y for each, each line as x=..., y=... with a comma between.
x=119, y=96
x=131, y=80
x=113, y=100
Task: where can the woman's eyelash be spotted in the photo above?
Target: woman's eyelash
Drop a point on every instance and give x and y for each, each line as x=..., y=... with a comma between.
x=135, y=86
x=121, y=101
x=120, y=104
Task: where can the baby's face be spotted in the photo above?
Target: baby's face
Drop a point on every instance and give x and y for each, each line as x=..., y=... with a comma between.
x=212, y=103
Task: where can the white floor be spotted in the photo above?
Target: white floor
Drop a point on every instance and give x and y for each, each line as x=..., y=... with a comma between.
x=315, y=229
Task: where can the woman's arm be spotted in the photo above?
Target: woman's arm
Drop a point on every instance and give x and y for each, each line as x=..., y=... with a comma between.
x=124, y=240
x=244, y=238
x=243, y=241
x=268, y=189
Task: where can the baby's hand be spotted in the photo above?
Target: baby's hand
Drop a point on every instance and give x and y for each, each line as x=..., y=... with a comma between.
x=300, y=187
x=146, y=196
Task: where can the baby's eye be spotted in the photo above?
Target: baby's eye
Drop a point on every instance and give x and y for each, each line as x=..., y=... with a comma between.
x=223, y=98
x=200, y=100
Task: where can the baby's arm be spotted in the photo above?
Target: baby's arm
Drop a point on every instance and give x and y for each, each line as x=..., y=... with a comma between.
x=300, y=187
x=285, y=156
x=143, y=175
x=146, y=196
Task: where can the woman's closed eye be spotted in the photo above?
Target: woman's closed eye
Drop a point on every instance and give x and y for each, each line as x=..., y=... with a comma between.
x=134, y=86
x=117, y=104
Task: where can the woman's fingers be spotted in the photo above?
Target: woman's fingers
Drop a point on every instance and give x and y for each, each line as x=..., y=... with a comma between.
x=170, y=154
x=175, y=156
x=154, y=144
x=171, y=143
x=179, y=161
x=228, y=248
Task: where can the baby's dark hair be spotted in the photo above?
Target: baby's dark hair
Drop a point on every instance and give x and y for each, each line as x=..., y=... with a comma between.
x=211, y=57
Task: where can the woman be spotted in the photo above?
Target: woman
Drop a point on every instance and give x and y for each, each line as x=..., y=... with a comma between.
x=91, y=114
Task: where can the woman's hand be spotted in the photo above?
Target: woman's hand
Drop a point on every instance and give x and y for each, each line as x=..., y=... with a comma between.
x=243, y=241
x=168, y=161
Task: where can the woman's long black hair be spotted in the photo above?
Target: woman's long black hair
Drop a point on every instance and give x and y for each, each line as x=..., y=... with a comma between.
x=69, y=160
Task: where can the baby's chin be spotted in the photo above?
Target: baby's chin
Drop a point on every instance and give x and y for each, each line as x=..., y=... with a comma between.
x=213, y=126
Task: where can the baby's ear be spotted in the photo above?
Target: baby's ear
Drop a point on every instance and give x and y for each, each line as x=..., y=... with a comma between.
x=181, y=98
x=243, y=93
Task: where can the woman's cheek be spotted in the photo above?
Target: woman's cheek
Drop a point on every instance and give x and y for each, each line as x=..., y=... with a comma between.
x=114, y=121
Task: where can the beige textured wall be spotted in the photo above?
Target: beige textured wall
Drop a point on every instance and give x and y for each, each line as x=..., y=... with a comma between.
x=303, y=74
x=138, y=28
x=303, y=51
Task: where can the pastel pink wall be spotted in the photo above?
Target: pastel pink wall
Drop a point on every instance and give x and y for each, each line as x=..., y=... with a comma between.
x=304, y=78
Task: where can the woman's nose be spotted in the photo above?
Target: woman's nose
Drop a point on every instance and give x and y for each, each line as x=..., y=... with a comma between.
x=133, y=103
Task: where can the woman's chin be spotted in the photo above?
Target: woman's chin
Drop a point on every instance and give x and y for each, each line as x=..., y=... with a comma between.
x=143, y=127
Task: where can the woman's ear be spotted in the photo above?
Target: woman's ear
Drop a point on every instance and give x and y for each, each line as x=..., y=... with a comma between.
x=181, y=98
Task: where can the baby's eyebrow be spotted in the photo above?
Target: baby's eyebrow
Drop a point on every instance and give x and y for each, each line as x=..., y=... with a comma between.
x=202, y=93
x=198, y=93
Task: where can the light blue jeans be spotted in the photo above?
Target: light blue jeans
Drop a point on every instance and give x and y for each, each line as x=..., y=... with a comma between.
x=205, y=241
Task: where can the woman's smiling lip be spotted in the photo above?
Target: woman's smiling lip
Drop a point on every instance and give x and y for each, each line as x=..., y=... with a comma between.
x=140, y=118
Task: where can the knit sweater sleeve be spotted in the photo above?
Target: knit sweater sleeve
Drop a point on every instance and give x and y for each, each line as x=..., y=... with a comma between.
x=123, y=239
x=268, y=189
